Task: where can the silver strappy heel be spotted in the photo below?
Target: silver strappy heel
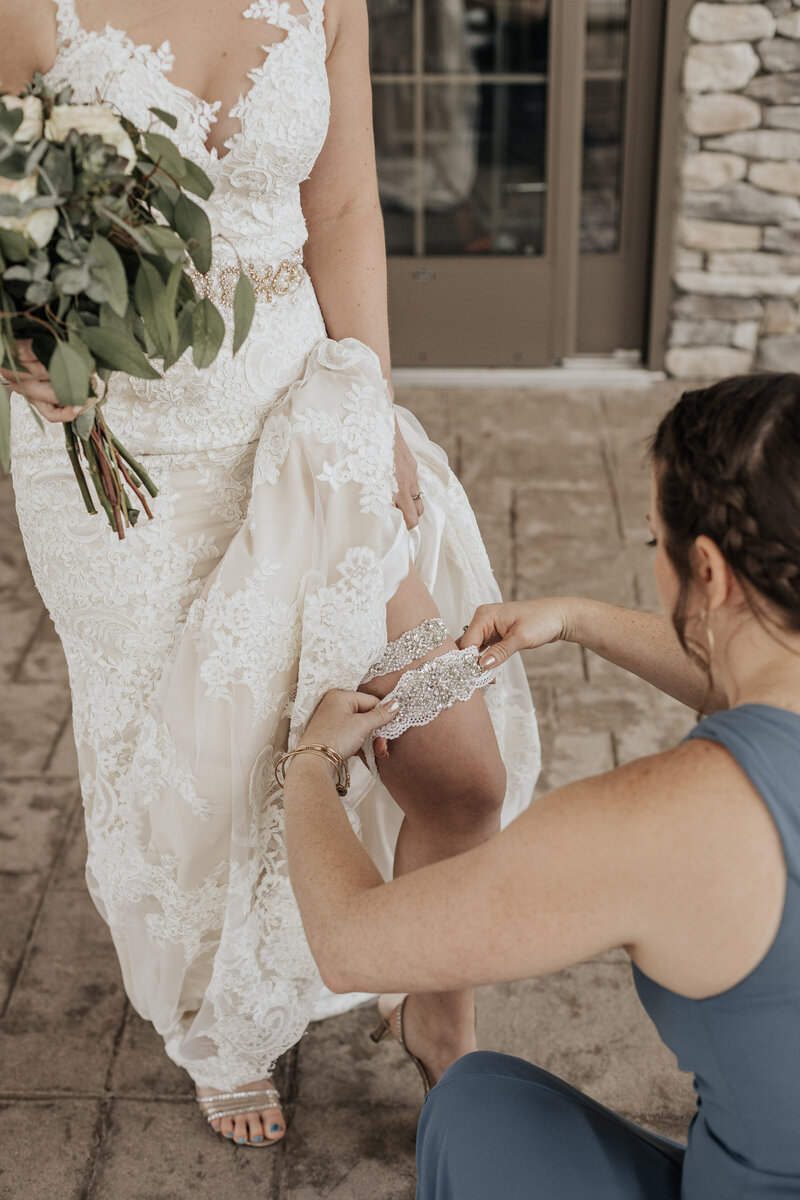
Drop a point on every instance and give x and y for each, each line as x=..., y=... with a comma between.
x=384, y=1027
x=235, y=1104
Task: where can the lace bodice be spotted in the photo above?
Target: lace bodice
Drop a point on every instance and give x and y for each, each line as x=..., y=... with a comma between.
x=255, y=206
x=283, y=116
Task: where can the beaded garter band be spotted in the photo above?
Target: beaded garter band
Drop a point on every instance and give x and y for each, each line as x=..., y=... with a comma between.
x=269, y=283
x=434, y=687
x=411, y=645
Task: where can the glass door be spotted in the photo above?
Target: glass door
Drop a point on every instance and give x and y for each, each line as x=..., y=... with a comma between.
x=618, y=177
x=481, y=140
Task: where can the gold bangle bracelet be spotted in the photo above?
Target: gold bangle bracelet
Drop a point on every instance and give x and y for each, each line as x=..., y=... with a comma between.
x=332, y=756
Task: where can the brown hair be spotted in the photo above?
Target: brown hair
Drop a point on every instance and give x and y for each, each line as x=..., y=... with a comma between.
x=727, y=461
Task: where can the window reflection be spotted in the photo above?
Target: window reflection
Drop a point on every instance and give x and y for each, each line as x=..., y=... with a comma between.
x=461, y=146
x=607, y=33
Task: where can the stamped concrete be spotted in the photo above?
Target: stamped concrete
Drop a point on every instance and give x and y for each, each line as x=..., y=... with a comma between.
x=91, y=1107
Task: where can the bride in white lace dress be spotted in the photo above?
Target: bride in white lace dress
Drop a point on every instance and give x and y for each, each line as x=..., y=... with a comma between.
x=290, y=544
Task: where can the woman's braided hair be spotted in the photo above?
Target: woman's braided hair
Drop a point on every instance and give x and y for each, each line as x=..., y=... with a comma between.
x=727, y=462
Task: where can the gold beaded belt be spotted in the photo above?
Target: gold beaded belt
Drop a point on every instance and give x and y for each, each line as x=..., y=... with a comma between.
x=269, y=283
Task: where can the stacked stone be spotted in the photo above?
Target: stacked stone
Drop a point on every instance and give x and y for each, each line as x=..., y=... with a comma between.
x=737, y=270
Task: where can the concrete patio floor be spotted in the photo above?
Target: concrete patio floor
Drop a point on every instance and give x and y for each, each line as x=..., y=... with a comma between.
x=92, y=1109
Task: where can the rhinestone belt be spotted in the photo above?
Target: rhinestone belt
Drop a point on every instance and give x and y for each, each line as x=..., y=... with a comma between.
x=269, y=283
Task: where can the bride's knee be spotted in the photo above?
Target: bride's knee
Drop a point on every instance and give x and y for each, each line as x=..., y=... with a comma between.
x=474, y=790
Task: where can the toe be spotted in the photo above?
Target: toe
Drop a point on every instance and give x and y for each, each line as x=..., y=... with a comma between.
x=273, y=1122
x=240, y=1129
x=226, y=1127
x=254, y=1128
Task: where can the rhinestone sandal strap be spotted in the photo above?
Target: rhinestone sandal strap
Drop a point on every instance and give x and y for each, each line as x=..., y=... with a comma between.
x=235, y=1104
x=410, y=646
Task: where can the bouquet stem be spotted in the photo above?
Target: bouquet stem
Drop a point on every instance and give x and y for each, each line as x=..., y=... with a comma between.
x=110, y=467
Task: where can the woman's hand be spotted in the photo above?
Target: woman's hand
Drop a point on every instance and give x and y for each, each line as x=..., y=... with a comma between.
x=407, y=497
x=500, y=630
x=34, y=384
x=344, y=721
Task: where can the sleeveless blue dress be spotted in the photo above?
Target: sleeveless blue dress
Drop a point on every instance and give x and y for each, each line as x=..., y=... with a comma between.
x=498, y=1127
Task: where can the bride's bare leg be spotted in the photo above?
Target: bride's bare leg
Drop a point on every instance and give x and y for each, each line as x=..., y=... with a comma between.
x=449, y=779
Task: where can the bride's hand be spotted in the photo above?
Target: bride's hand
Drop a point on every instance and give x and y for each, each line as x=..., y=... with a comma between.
x=405, y=470
x=500, y=630
x=344, y=721
x=34, y=384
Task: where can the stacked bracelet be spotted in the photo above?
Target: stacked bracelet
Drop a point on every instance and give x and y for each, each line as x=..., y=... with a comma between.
x=333, y=757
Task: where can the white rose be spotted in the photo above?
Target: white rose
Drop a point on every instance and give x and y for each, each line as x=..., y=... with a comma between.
x=31, y=127
x=39, y=223
x=90, y=119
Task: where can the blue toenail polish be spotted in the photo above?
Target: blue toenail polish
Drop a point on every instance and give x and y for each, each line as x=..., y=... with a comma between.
x=274, y=1128
x=241, y=1141
x=258, y=1139
x=229, y=1135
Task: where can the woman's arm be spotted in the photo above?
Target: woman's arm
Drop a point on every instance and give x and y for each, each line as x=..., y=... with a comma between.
x=345, y=254
x=673, y=857
x=642, y=643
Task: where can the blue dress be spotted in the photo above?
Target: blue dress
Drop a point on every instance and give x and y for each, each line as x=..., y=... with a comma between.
x=498, y=1127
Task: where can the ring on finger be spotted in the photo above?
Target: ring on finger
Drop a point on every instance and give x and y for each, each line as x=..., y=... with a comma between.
x=418, y=496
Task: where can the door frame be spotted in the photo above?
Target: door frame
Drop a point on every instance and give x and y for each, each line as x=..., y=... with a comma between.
x=666, y=206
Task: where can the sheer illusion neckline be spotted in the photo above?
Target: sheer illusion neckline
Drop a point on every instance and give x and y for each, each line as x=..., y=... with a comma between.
x=276, y=13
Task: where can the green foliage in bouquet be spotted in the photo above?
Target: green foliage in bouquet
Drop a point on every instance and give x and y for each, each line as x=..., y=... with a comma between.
x=97, y=230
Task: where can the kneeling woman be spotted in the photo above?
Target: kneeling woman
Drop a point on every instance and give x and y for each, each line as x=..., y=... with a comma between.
x=689, y=859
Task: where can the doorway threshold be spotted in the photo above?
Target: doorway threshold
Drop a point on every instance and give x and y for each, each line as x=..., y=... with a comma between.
x=573, y=373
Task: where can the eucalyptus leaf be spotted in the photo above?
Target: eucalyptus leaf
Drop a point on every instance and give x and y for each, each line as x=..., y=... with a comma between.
x=10, y=119
x=15, y=246
x=9, y=206
x=185, y=328
x=119, y=352
x=35, y=155
x=167, y=242
x=167, y=117
x=110, y=272
x=195, y=180
x=5, y=429
x=208, y=331
x=56, y=170
x=83, y=424
x=41, y=291
x=162, y=151
x=164, y=202
x=149, y=292
x=244, y=307
x=71, y=281
x=193, y=225
x=111, y=320
x=69, y=375
x=12, y=163
x=20, y=274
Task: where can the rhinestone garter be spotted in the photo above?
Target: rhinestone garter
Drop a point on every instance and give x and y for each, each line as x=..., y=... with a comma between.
x=269, y=282
x=434, y=687
x=411, y=645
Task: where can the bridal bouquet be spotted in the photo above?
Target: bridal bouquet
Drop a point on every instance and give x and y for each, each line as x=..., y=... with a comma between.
x=96, y=232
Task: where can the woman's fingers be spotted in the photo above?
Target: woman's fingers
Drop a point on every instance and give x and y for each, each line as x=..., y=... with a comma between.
x=29, y=360
x=39, y=396
x=482, y=629
x=408, y=507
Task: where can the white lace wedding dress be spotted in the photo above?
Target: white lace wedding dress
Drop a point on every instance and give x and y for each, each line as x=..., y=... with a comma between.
x=199, y=646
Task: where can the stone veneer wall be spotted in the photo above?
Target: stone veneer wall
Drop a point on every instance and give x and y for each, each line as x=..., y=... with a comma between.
x=737, y=260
